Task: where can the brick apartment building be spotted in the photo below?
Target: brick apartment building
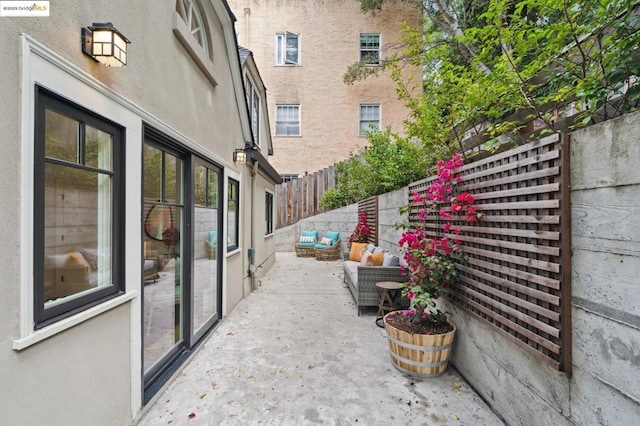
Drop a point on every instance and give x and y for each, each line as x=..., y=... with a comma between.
x=302, y=49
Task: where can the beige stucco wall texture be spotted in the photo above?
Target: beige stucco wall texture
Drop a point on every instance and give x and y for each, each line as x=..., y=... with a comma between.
x=84, y=375
x=329, y=40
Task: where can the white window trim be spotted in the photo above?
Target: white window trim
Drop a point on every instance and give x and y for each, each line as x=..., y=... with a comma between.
x=273, y=214
x=256, y=136
x=275, y=133
x=192, y=12
x=284, y=62
x=197, y=53
x=379, y=49
x=360, y=116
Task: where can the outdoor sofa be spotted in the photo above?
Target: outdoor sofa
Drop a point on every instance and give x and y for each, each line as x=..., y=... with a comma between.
x=362, y=279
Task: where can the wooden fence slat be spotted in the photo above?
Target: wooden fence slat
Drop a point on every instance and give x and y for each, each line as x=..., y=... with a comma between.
x=513, y=326
x=503, y=282
x=525, y=276
x=542, y=265
x=521, y=177
x=529, y=190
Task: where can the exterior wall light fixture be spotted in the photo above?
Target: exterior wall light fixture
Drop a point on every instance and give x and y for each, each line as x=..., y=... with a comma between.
x=105, y=44
x=239, y=156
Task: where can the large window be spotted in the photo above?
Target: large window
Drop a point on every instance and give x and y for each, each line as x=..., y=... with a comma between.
x=369, y=118
x=287, y=120
x=268, y=213
x=78, y=194
x=287, y=49
x=233, y=215
x=370, y=49
x=188, y=11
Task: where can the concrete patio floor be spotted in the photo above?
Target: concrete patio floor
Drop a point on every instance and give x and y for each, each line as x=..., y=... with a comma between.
x=295, y=352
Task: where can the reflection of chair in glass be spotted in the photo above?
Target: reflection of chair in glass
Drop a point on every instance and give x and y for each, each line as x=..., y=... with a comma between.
x=153, y=263
x=210, y=245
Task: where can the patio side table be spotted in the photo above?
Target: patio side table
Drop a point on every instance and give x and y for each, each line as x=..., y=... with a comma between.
x=389, y=297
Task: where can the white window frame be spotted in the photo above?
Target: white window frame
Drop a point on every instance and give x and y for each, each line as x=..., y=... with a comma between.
x=199, y=52
x=282, y=40
x=290, y=107
x=253, y=102
x=368, y=118
x=49, y=70
x=269, y=219
x=190, y=14
x=368, y=51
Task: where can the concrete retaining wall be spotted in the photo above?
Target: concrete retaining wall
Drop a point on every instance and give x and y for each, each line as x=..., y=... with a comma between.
x=604, y=387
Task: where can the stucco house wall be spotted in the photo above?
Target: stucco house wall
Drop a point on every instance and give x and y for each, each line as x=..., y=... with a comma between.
x=86, y=369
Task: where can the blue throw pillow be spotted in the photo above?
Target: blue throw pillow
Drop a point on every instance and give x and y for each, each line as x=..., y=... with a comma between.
x=335, y=236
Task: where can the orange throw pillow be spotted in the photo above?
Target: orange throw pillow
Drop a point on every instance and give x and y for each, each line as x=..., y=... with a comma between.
x=376, y=259
x=357, y=249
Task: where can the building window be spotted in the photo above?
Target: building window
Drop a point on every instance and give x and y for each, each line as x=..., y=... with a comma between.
x=287, y=49
x=268, y=213
x=78, y=198
x=233, y=215
x=370, y=49
x=369, y=119
x=288, y=177
x=188, y=11
x=287, y=120
x=253, y=101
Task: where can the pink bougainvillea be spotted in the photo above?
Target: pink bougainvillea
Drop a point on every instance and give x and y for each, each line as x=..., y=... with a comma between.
x=430, y=259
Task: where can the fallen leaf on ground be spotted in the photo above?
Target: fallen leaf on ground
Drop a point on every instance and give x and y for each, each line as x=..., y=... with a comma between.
x=192, y=415
x=228, y=333
x=455, y=417
x=203, y=395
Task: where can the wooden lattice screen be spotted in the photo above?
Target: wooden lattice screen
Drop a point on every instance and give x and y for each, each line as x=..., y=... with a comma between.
x=517, y=277
x=370, y=207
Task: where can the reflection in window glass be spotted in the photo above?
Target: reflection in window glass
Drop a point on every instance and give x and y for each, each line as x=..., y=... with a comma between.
x=212, y=199
x=77, y=230
x=173, y=179
x=200, y=186
x=62, y=137
x=98, y=148
x=77, y=189
x=152, y=173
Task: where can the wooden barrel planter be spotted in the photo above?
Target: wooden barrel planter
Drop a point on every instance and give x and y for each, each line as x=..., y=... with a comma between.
x=419, y=355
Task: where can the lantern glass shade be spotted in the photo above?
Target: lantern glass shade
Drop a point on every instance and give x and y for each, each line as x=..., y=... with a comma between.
x=239, y=156
x=105, y=44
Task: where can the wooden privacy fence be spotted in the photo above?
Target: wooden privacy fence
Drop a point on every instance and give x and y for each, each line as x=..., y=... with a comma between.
x=517, y=278
x=370, y=208
x=300, y=198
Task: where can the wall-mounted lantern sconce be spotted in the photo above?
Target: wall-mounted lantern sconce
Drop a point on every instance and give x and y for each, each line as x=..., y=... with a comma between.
x=239, y=156
x=105, y=44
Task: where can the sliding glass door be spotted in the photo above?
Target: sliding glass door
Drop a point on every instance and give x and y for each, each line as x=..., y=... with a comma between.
x=206, y=300
x=163, y=278
x=182, y=258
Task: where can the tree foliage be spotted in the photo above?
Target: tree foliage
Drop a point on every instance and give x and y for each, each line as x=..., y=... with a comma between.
x=484, y=60
x=387, y=163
